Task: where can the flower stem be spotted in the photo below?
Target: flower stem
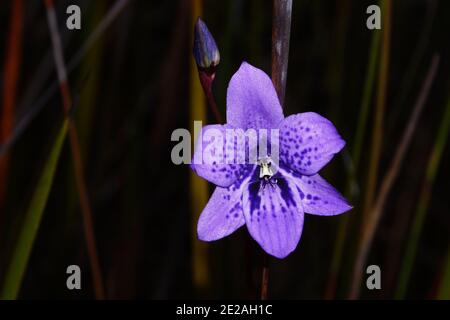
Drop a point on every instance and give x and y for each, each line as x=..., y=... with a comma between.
x=206, y=79
x=265, y=277
x=281, y=33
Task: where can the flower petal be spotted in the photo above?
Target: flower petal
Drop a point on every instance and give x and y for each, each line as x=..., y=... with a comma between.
x=308, y=142
x=274, y=216
x=319, y=197
x=223, y=213
x=217, y=161
x=252, y=101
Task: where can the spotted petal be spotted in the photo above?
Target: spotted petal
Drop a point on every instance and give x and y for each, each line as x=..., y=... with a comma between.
x=308, y=142
x=274, y=216
x=319, y=197
x=223, y=213
x=216, y=160
x=252, y=101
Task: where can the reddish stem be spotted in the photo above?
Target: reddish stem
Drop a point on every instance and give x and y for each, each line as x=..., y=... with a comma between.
x=76, y=153
x=265, y=277
x=206, y=79
x=11, y=78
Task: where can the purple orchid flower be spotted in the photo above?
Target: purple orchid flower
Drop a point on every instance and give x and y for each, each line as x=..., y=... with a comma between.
x=270, y=198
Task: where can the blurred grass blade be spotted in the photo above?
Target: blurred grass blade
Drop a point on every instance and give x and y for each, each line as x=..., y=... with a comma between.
x=337, y=56
x=374, y=215
x=356, y=154
x=85, y=206
x=91, y=65
x=415, y=60
x=444, y=290
x=377, y=133
x=367, y=95
x=198, y=186
x=32, y=220
x=50, y=91
x=423, y=205
x=10, y=79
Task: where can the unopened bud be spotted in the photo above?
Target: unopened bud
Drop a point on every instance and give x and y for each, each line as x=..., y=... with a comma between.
x=205, y=50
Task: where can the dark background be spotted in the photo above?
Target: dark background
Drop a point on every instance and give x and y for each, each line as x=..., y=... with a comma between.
x=134, y=87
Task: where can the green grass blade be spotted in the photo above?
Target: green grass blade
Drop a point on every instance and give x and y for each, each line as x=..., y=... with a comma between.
x=366, y=98
x=422, y=207
x=32, y=219
x=198, y=186
x=356, y=153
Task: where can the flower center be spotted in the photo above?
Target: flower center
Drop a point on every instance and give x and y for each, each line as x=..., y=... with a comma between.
x=265, y=168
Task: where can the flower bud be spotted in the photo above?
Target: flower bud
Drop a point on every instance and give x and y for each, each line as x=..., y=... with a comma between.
x=205, y=50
